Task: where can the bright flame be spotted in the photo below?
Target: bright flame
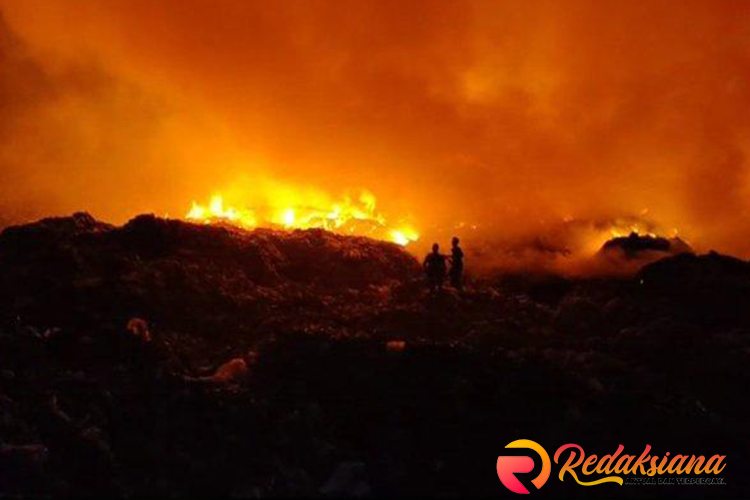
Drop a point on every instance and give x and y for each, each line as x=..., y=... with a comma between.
x=215, y=212
x=288, y=217
x=297, y=209
x=404, y=236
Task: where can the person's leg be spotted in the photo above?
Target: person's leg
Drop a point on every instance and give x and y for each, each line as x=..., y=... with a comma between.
x=454, y=277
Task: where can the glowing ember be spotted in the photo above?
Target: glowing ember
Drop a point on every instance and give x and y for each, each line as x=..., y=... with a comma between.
x=621, y=232
x=593, y=240
x=292, y=209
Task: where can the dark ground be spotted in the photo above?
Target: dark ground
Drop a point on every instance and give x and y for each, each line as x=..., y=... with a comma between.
x=92, y=407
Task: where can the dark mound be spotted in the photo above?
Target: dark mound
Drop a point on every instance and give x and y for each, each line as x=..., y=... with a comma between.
x=690, y=273
x=635, y=245
x=346, y=378
x=715, y=287
x=55, y=269
x=311, y=257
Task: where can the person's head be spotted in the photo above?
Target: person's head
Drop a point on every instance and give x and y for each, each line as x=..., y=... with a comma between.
x=435, y=248
x=454, y=241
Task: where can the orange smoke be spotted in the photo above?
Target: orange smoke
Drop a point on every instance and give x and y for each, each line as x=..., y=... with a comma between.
x=495, y=121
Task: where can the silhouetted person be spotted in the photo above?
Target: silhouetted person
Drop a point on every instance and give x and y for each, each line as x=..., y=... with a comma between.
x=434, y=268
x=456, y=272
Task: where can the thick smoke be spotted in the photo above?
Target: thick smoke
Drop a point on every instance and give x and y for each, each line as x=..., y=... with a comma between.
x=496, y=120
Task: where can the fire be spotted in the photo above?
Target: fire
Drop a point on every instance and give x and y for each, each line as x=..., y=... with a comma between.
x=289, y=208
x=403, y=236
x=215, y=212
x=623, y=231
x=620, y=228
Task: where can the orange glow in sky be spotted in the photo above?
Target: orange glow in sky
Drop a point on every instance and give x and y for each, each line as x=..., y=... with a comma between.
x=492, y=120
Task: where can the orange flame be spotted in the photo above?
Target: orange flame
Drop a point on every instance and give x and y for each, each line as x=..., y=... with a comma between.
x=620, y=229
x=297, y=209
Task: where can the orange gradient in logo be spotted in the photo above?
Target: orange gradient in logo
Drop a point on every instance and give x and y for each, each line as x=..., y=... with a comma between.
x=507, y=467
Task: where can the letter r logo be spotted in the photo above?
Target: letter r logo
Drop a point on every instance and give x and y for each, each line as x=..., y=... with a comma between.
x=507, y=467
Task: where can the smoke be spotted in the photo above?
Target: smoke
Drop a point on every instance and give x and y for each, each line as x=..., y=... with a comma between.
x=497, y=121
x=75, y=135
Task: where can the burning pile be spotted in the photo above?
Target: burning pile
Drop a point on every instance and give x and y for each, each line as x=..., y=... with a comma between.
x=288, y=208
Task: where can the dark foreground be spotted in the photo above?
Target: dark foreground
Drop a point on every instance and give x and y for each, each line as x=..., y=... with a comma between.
x=110, y=341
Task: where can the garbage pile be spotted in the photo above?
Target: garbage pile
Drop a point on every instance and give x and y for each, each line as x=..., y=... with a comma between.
x=163, y=358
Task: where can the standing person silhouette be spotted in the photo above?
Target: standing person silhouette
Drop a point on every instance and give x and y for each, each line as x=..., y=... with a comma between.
x=434, y=267
x=457, y=265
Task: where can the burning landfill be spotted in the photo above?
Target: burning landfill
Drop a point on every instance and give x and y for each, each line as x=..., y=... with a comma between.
x=274, y=363
x=278, y=337
x=287, y=208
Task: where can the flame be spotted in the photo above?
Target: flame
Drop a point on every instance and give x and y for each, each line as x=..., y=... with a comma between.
x=215, y=212
x=403, y=236
x=297, y=209
x=623, y=231
x=595, y=239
